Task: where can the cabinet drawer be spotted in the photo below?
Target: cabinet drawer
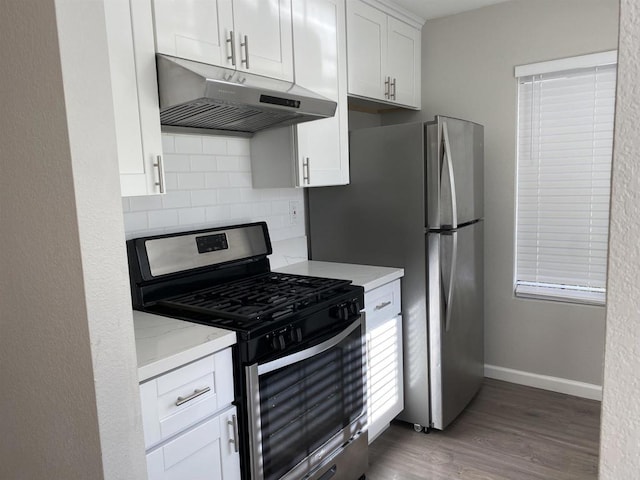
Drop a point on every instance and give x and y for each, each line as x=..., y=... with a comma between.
x=183, y=397
x=382, y=303
x=206, y=451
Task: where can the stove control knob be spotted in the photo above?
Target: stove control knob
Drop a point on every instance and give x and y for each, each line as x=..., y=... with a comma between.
x=296, y=335
x=278, y=343
x=354, y=307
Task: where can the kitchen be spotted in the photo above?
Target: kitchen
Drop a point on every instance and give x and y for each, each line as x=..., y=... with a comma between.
x=97, y=283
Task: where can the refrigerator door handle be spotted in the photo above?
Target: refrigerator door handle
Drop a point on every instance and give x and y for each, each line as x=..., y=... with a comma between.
x=452, y=276
x=452, y=183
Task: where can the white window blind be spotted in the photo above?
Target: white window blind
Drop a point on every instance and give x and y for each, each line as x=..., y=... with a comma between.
x=565, y=140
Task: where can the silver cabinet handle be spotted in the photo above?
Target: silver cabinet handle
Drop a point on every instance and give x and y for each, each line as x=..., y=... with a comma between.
x=387, y=81
x=306, y=172
x=232, y=44
x=382, y=305
x=234, y=424
x=159, y=165
x=195, y=394
x=392, y=94
x=246, y=51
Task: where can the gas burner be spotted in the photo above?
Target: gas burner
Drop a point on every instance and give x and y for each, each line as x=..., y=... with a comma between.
x=256, y=299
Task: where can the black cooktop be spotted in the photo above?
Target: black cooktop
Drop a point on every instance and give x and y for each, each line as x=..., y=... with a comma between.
x=249, y=302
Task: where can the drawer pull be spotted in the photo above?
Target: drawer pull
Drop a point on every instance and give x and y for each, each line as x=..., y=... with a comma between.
x=234, y=423
x=195, y=394
x=382, y=305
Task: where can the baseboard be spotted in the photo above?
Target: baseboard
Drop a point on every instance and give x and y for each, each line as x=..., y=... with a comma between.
x=555, y=384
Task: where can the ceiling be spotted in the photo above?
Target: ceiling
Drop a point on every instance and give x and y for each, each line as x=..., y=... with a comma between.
x=440, y=8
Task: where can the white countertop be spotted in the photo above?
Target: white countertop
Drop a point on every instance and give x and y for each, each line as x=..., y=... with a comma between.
x=164, y=343
x=367, y=276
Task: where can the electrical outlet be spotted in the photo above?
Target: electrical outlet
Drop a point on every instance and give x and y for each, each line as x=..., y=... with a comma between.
x=294, y=212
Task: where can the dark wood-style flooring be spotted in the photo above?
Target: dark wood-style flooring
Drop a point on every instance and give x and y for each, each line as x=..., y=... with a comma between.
x=508, y=432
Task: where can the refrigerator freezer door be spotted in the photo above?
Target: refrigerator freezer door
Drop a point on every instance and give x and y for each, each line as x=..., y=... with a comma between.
x=456, y=325
x=455, y=159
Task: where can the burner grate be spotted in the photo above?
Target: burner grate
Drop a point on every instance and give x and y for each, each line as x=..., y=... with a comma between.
x=257, y=298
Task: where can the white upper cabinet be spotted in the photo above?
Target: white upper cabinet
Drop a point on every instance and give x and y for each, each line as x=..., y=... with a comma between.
x=135, y=97
x=312, y=153
x=383, y=54
x=246, y=35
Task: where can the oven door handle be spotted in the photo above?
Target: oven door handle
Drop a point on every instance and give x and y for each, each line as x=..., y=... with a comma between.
x=309, y=352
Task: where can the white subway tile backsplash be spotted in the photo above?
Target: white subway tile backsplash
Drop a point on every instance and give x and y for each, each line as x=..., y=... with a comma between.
x=217, y=179
x=204, y=163
x=214, y=145
x=218, y=214
x=171, y=181
x=136, y=221
x=191, y=216
x=229, y=195
x=280, y=207
x=191, y=181
x=238, y=146
x=168, y=144
x=163, y=218
x=208, y=180
x=202, y=198
x=188, y=144
x=175, y=162
x=240, y=179
x=228, y=163
x=176, y=199
x=140, y=204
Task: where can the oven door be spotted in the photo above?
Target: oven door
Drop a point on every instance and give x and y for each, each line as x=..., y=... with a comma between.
x=306, y=406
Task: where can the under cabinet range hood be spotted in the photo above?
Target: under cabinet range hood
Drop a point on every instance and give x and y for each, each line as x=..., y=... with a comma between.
x=218, y=100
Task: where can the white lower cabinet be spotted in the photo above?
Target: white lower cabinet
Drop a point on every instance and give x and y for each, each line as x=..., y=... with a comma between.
x=190, y=426
x=206, y=451
x=385, y=392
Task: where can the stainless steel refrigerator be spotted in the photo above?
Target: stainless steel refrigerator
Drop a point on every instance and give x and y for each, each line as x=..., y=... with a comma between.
x=416, y=201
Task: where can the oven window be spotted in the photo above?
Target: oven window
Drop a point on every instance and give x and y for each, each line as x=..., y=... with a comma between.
x=304, y=404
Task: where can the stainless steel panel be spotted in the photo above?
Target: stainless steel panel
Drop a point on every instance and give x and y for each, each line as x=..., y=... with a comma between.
x=349, y=463
x=379, y=220
x=456, y=353
x=466, y=152
x=177, y=253
x=212, y=98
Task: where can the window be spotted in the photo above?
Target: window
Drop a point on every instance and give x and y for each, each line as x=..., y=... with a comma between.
x=565, y=140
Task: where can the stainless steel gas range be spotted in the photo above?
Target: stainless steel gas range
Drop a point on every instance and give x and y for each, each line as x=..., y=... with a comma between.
x=299, y=362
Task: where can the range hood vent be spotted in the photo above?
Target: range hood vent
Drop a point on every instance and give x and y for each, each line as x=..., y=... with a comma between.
x=217, y=100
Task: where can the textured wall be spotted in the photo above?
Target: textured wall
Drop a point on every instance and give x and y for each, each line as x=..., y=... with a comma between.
x=468, y=72
x=620, y=437
x=68, y=395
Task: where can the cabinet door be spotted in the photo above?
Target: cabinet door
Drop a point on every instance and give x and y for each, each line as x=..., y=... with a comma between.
x=367, y=50
x=385, y=391
x=195, y=29
x=404, y=62
x=207, y=451
x=268, y=49
x=320, y=61
x=135, y=96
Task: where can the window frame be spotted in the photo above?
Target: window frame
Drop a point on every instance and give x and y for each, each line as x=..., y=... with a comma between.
x=537, y=289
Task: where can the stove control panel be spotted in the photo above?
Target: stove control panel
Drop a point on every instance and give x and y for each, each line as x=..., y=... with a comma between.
x=280, y=340
x=346, y=310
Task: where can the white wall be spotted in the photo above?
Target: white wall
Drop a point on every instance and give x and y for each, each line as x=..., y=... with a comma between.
x=468, y=67
x=208, y=182
x=69, y=401
x=620, y=433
